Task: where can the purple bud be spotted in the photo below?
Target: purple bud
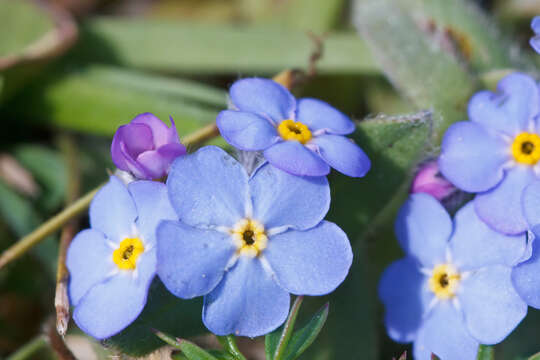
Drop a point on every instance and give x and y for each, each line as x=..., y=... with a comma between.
x=429, y=180
x=146, y=147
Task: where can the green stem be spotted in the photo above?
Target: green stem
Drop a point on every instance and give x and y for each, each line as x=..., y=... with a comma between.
x=229, y=344
x=47, y=228
x=288, y=329
x=29, y=349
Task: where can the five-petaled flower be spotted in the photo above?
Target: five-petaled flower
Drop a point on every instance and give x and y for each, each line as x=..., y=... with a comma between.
x=113, y=263
x=535, y=40
x=526, y=276
x=497, y=153
x=303, y=137
x=453, y=289
x=146, y=147
x=246, y=242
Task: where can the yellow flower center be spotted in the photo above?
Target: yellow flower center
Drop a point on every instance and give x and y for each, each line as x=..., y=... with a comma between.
x=526, y=148
x=291, y=130
x=444, y=281
x=125, y=257
x=249, y=237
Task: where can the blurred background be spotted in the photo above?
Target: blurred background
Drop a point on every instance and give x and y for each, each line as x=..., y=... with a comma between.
x=72, y=71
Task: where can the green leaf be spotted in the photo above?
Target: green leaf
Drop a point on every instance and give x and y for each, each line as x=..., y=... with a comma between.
x=98, y=99
x=276, y=342
x=229, y=344
x=305, y=336
x=189, y=48
x=485, y=352
x=36, y=34
x=535, y=357
x=164, y=312
x=418, y=65
x=193, y=352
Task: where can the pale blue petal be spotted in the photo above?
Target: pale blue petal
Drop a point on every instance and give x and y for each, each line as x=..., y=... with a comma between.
x=530, y=200
x=112, y=211
x=152, y=202
x=296, y=159
x=246, y=131
x=318, y=115
x=406, y=297
x=111, y=306
x=535, y=24
x=311, y=262
x=535, y=43
x=445, y=335
x=191, y=262
x=511, y=108
x=526, y=279
x=264, y=97
x=501, y=207
x=208, y=188
x=89, y=260
x=342, y=154
x=247, y=302
x=423, y=228
x=491, y=306
x=282, y=199
x=474, y=244
x=472, y=158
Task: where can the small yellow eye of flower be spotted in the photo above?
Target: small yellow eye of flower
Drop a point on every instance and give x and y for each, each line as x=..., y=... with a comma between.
x=526, y=148
x=291, y=130
x=249, y=237
x=444, y=281
x=125, y=257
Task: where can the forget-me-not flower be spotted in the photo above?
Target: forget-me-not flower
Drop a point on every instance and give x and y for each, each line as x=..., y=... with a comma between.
x=453, y=289
x=526, y=276
x=246, y=242
x=497, y=153
x=535, y=40
x=146, y=147
x=112, y=264
x=303, y=137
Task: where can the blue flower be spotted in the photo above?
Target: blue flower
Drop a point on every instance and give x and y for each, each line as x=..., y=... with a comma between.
x=525, y=276
x=303, y=137
x=535, y=40
x=452, y=290
x=112, y=264
x=497, y=153
x=246, y=242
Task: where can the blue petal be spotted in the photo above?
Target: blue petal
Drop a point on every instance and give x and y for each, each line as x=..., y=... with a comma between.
x=247, y=302
x=535, y=43
x=318, y=115
x=191, y=262
x=472, y=158
x=264, y=97
x=501, y=207
x=445, y=335
x=530, y=200
x=282, y=199
x=511, y=108
x=423, y=228
x=246, y=131
x=111, y=306
x=112, y=211
x=491, y=306
x=404, y=293
x=152, y=202
x=208, y=188
x=296, y=159
x=526, y=280
x=474, y=244
x=535, y=24
x=342, y=154
x=311, y=262
x=89, y=260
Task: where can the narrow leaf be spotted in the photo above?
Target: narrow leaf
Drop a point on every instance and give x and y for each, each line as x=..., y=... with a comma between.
x=305, y=336
x=193, y=352
x=485, y=352
x=276, y=342
x=229, y=344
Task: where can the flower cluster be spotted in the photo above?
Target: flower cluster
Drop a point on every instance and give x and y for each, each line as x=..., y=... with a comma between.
x=468, y=282
x=243, y=238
